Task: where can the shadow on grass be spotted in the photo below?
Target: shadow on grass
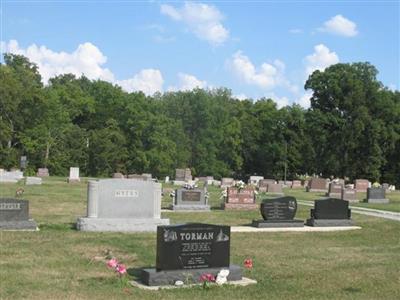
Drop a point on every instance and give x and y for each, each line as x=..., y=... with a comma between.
x=352, y=290
x=58, y=227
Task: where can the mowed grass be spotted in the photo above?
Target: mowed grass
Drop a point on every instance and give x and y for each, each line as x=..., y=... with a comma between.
x=59, y=262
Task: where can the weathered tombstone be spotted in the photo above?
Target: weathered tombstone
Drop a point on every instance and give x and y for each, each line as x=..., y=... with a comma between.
x=386, y=186
x=274, y=188
x=376, y=195
x=73, y=175
x=23, y=162
x=288, y=183
x=118, y=175
x=243, y=199
x=330, y=212
x=14, y=215
x=349, y=195
x=33, y=181
x=122, y=205
x=253, y=180
x=217, y=183
x=263, y=185
x=335, y=190
x=361, y=185
x=296, y=184
x=42, y=172
x=278, y=212
x=190, y=200
x=185, y=252
x=166, y=179
x=227, y=182
x=317, y=185
x=11, y=176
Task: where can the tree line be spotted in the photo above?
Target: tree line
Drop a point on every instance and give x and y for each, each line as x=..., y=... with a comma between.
x=351, y=129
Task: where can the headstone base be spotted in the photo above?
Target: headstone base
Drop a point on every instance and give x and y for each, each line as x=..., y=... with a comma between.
x=191, y=207
x=334, y=195
x=240, y=206
x=316, y=190
x=382, y=201
x=69, y=180
x=352, y=200
x=18, y=225
x=120, y=225
x=152, y=277
x=277, y=223
x=329, y=222
x=179, y=182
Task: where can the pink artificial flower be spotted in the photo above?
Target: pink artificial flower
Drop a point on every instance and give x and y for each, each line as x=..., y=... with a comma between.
x=207, y=277
x=112, y=263
x=121, y=269
x=248, y=263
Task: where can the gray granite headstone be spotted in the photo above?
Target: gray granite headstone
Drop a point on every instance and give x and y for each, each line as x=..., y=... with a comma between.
x=122, y=205
x=376, y=195
x=11, y=176
x=14, y=215
x=349, y=194
x=190, y=200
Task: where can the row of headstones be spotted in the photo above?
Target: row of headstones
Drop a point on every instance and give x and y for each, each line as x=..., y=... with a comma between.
x=16, y=175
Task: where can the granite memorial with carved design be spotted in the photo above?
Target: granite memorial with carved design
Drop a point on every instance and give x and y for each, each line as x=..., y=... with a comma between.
x=122, y=205
x=195, y=199
x=14, y=215
x=278, y=212
x=185, y=252
x=241, y=199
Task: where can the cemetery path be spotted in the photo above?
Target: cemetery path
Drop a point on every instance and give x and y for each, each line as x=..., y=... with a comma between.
x=365, y=211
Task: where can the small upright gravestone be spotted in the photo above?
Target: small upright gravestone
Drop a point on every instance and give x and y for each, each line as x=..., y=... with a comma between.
x=330, y=212
x=278, y=212
x=349, y=194
x=185, y=252
x=14, y=215
x=335, y=190
x=33, y=181
x=263, y=184
x=317, y=185
x=376, y=195
x=190, y=200
x=227, y=182
x=254, y=180
x=274, y=188
x=118, y=175
x=296, y=184
x=242, y=199
x=42, y=172
x=122, y=205
x=73, y=175
x=361, y=185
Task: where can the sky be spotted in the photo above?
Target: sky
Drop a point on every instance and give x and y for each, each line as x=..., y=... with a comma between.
x=255, y=48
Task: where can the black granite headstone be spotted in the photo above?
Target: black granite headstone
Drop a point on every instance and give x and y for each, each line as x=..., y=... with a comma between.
x=330, y=212
x=14, y=215
x=190, y=250
x=278, y=212
x=376, y=195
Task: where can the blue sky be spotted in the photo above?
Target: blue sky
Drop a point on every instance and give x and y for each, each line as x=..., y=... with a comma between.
x=257, y=49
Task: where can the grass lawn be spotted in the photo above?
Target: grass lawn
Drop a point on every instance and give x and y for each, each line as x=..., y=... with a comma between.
x=59, y=262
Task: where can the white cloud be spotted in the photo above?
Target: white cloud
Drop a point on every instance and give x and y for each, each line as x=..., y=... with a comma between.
x=266, y=76
x=188, y=82
x=304, y=100
x=148, y=81
x=320, y=59
x=86, y=60
x=202, y=19
x=339, y=25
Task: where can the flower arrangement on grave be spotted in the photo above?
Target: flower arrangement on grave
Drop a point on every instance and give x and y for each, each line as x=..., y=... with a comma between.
x=240, y=185
x=120, y=270
x=224, y=194
x=248, y=263
x=207, y=279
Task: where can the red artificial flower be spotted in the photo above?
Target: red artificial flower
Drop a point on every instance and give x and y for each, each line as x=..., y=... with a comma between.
x=248, y=263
